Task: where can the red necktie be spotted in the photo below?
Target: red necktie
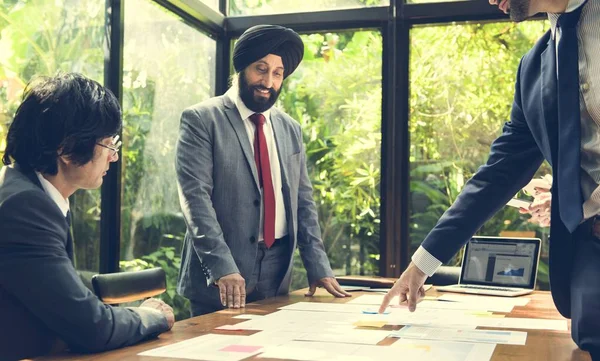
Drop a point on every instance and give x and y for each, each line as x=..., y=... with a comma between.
x=261, y=157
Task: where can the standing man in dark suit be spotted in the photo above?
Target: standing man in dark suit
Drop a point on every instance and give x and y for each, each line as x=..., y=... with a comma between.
x=555, y=116
x=244, y=187
x=62, y=139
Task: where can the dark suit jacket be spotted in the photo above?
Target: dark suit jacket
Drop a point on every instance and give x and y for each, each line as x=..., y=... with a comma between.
x=220, y=198
x=527, y=139
x=42, y=299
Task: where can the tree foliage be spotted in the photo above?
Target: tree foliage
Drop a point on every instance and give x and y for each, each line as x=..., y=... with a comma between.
x=336, y=97
x=462, y=86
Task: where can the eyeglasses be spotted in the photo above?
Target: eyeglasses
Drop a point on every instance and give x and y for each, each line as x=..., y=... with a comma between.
x=115, y=145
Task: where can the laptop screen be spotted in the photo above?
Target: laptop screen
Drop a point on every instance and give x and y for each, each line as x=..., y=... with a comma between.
x=507, y=262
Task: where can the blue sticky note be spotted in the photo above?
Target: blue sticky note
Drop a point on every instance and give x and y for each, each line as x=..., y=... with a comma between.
x=374, y=311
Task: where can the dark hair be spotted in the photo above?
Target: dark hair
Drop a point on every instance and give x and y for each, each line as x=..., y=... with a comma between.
x=68, y=113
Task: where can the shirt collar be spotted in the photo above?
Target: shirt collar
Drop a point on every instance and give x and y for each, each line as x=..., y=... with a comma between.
x=571, y=6
x=51, y=191
x=234, y=94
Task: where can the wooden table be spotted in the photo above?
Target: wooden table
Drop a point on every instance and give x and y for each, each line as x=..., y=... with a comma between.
x=540, y=346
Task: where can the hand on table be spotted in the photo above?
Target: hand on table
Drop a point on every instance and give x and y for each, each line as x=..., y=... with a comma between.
x=331, y=285
x=166, y=310
x=232, y=289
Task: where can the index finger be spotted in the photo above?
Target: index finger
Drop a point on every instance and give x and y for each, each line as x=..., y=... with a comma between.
x=236, y=296
x=388, y=297
x=223, y=294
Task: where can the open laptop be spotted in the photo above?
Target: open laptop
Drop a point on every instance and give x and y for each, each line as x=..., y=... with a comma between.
x=498, y=266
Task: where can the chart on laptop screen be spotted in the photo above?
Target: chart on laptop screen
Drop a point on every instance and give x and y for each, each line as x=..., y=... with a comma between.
x=499, y=262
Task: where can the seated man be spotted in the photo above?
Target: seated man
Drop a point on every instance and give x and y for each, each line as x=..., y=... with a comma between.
x=61, y=140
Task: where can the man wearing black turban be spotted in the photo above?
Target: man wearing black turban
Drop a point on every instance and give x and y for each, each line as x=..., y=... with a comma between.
x=244, y=187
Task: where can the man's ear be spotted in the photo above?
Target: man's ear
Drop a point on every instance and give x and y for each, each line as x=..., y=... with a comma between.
x=65, y=159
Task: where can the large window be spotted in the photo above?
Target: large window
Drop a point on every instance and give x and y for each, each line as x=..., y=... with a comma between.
x=168, y=66
x=462, y=87
x=214, y=4
x=263, y=7
x=335, y=94
x=42, y=37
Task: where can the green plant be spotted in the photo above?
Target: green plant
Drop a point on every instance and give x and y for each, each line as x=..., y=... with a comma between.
x=336, y=97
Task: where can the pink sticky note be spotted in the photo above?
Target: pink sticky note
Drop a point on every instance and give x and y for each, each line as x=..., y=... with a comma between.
x=241, y=348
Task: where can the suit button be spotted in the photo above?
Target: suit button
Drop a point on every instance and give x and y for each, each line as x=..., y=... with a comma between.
x=257, y=202
x=252, y=239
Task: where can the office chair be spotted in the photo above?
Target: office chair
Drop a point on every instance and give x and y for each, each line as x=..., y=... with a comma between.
x=122, y=287
x=366, y=281
x=444, y=276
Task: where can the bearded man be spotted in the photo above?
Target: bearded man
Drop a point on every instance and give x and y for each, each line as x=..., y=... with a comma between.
x=243, y=185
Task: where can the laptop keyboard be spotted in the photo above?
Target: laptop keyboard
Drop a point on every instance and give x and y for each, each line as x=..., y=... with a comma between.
x=487, y=288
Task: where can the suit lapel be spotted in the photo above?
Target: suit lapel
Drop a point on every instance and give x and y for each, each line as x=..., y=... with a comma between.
x=279, y=135
x=35, y=180
x=240, y=130
x=549, y=96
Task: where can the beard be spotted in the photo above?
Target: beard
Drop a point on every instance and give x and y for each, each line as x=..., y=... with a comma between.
x=519, y=10
x=257, y=104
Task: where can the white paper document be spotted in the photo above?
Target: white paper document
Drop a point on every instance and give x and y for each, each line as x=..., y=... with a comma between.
x=462, y=335
x=327, y=351
x=446, y=351
x=354, y=288
x=341, y=335
x=513, y=301
x=524, y=323
x=376, y=300
x=306, y=321
x=399, y=350
x=248, y=316
x=209, y=348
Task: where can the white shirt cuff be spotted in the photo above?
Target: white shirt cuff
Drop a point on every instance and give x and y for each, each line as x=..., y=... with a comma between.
x=425, y=261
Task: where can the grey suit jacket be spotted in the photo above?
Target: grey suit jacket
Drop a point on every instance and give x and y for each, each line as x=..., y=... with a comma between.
x=42, y=299
x=220, y=198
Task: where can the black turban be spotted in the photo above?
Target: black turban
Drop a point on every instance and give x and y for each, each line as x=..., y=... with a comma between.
x=262, y=40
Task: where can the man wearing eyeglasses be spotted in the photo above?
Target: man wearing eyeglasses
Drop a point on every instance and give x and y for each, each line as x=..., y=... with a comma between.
x=62, y=139
x=244, y=188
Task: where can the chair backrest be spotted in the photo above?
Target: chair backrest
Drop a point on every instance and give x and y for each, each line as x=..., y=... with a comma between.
x=122, y=287
x=444, y=276
x=366, y=281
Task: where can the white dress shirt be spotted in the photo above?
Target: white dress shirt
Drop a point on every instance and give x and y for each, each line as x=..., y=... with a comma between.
x=245, y=113
x=52, y=192
x=588, y=34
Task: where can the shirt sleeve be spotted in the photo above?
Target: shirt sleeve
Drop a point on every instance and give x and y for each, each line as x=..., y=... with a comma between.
x=425, y=261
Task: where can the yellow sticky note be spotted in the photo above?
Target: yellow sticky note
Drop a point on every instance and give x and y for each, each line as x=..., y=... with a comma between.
x=478, y=313
x=370, y=323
